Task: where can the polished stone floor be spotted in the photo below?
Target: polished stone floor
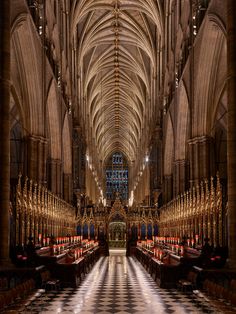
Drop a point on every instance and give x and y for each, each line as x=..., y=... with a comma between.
x=118, y=284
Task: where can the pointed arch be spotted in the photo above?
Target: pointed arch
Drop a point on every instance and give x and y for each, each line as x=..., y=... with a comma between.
x=182, y=129
x=26, y=70
x=169, y=147
x=211, y=75
x=53, y=123
x=67, y=144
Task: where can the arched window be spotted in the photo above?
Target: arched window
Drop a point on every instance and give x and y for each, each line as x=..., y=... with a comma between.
x=17, y=151
x=117, y=177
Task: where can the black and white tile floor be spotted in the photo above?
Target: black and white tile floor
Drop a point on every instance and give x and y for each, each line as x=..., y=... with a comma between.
x=118, y=284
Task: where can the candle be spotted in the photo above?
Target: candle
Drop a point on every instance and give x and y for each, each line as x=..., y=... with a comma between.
x=197, y=237
x=160, y=255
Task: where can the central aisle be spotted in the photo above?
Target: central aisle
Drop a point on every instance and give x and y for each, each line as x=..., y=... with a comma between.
x=118, y=284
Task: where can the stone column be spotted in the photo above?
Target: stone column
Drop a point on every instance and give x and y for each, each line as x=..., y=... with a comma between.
x=5, y=130
x=52, y=175
x=33, y=158
x=44, y=165
x=191, y=163
x=59, y=177
x=55, y=176
x=176, y=175
x=76, y=185
x=40, y=162
x=36, y=157
x=168, y=188
x=79, y=159
x=202, y=161
x=67, y=187
x=181, y=179
x=155, y=164
x=231, y=154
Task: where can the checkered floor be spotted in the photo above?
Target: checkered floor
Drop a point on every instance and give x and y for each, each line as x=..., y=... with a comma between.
x=118, y=284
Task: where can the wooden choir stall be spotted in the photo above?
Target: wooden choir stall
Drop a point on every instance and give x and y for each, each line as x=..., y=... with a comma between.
x=45, y=235
x=192, y=237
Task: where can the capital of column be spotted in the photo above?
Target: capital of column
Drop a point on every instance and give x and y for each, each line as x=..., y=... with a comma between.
x=200, y=140
x=156, y=193
x=37, y=139
x=157, y=134
x=168, y=177
x=181, y=162
x=54, y=161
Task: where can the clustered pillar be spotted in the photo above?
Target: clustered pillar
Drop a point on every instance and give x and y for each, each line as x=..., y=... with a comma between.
x=231, y=54
x=201, y=158
x=5, y=129
x=180, y=176
x=67, y=187
x=168, y=188
x=36, y=163
x=55, y=176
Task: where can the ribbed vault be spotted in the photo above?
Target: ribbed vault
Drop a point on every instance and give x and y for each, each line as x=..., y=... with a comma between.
x=116, y=45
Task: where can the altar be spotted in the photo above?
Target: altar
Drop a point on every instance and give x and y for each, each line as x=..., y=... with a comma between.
x=117, y=226
x=117, y=234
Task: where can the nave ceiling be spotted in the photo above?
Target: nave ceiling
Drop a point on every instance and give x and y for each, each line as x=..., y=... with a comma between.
x=116, y=45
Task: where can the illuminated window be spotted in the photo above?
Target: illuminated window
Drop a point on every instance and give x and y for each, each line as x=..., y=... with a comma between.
x=117, y=177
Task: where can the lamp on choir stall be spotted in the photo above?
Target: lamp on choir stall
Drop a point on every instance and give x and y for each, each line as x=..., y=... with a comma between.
x=197, y=238
x=192, y=242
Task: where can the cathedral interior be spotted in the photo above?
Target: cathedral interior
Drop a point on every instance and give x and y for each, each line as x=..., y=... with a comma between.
x=118, y=156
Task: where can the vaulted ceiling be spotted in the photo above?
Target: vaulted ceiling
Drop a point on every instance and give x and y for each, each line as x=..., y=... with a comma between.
x=117, y=44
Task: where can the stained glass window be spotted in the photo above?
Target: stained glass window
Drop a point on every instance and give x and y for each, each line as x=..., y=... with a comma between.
x=117, y=177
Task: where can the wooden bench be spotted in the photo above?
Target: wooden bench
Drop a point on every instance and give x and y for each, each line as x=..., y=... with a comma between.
x=18, y=298
x=221, y=296
x=170, y=269
x=71, y=271
x=189, y=283
x=48, y=282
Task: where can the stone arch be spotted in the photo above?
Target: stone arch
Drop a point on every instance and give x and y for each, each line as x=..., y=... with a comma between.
x=17, y=112
x=17, y=133
x=210, y=73
x=54, y=124
x=67, y=158
x=169, y=147
x=26, y=73
x=219, y=132
x=182, y=124
x=66, y=146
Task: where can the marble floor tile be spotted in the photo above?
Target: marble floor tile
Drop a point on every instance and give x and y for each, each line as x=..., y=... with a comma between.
x=118, y=284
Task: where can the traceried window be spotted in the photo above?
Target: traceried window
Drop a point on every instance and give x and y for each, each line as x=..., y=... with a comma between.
x=117, y=177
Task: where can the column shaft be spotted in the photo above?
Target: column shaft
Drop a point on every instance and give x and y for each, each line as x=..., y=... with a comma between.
x=202, y=162
x=5, y=129
x=231, y=154
x=181, y=180
x=33, y=158
x=67, y=187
